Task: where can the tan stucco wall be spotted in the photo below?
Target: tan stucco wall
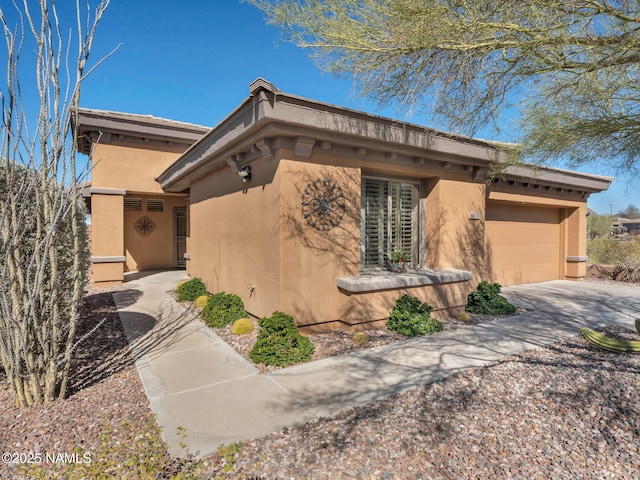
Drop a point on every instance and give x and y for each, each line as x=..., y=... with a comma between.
x=155, y=251
x=453, y=238
x=235, y=235
x=107, y=237
x=575, y=231
x=312, y=260
x=106, y=274
x=251, y=239
x=257, y=244
x=130, y=167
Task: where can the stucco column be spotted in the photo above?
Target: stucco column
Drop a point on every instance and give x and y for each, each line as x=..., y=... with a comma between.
x=455, y=211
x=575, y=228
x=107, y=235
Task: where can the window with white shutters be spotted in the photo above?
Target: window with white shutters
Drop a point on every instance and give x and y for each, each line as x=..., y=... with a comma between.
x=389, y=214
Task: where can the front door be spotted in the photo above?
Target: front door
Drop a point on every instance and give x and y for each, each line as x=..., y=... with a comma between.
x=180, y=235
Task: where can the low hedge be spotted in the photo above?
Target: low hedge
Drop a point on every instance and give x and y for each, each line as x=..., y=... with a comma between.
x=410, y=317
x=190, y=290
x=487, y=300
x=279, y=343
x=223, y=309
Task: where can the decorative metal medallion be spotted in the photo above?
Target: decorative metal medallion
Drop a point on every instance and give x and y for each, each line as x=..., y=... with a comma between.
x=323, y=204
x=144, y=226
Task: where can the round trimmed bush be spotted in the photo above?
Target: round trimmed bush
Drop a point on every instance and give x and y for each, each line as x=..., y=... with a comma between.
x=487, y=300
x=279, y=343
x=413, y=324
x=190, y=290
x=410, y=304
x=410, y=317
x=360, y=338
x=223, y=309
x=201, y=301
x=242, y=326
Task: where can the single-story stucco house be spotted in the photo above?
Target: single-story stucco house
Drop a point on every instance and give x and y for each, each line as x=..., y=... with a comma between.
x=294, y=205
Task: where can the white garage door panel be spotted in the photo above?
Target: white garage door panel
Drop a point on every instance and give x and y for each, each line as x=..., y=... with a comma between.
x=523, y=243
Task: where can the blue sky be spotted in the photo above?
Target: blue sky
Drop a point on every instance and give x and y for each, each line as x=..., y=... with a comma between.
x=193, y=61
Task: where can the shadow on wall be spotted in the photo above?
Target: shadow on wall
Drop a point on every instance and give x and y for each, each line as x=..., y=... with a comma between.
x=456, y=240
x=320, y=228
x=322, y=215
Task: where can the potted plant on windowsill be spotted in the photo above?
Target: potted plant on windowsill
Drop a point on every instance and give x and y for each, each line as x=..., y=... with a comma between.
x=397, y=261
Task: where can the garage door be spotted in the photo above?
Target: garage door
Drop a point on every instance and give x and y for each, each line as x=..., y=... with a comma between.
x=522, y=243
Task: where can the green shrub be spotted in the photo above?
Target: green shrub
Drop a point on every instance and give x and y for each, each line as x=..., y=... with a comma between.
x=409, y=304
x=413, y=324
x=223, y=309
x=242, y=326
x=190, y=290
x=410, y=317
x=279, y=343
x=360, y=338
x=487, y=300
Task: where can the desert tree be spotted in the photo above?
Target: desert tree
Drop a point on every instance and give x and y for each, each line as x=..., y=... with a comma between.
x=43, y=239
x=569, y=67
x=599, y=226
x=631, y=212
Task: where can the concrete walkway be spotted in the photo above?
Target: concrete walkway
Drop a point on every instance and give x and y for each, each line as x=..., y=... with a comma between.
x=196, y=381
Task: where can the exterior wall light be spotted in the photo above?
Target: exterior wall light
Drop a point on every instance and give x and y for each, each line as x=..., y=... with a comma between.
x=245, y=174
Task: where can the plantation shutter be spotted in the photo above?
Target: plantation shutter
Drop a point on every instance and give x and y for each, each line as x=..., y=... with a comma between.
x=404, y=201
x=389, y=220
x=375, y=221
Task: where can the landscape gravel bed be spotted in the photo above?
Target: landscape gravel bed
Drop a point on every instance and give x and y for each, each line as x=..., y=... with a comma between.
x=104, y=389
x=567, y=411
x=564, y=411
x=329, y=344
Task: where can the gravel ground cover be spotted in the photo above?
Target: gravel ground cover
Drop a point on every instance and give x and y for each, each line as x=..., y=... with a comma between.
x=565, y=411
x=334, y=343
x=104, y=389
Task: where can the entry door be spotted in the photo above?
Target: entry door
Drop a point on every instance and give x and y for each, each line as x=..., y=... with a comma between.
x=180, y=235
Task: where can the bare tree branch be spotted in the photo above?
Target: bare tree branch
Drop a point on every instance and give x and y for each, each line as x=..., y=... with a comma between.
x=43, y=242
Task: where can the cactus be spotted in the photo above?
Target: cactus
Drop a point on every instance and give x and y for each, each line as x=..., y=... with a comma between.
x=464, y=317
x=201, y=301
x=638, y=325
x=242, y=326
x=360, y=338
x=610, y=344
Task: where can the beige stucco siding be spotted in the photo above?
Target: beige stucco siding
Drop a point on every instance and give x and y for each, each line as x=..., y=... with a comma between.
x=157, y=249
x=455, y=211
x=312, y=259
x=235, y=235
x=522, y=243
x=130, y=168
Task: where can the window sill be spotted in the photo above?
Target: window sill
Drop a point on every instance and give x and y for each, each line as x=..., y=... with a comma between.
x=372, y=281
